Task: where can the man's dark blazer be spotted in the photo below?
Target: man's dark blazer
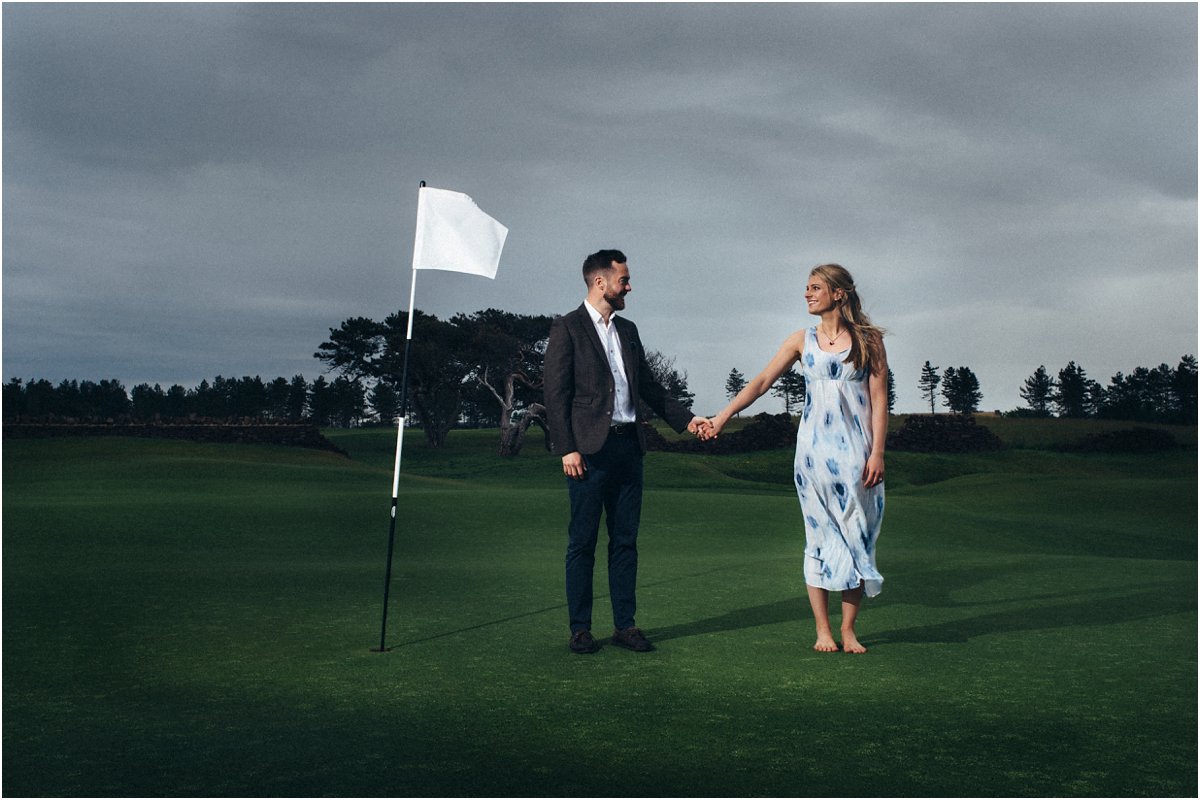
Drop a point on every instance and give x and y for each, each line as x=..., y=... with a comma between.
x=579, y=386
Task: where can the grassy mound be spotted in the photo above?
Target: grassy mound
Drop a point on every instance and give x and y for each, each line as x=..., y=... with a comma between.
x=195, y=619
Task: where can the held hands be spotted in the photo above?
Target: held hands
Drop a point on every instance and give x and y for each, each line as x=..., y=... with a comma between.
x=704, y=429
x=575, y=468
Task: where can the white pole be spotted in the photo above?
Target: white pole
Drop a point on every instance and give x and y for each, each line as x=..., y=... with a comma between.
x=387, y=580
x=412, y=296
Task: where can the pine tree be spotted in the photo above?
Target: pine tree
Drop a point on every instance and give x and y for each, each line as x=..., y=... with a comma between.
x=791, y=388
x=734, y=384
x=1075, y=395
x=1038, y=391
x=385, y=401
x=960, y=390
x=1183, y=389
x=929, y=385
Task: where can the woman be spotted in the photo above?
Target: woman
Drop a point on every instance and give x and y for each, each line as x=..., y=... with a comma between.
x=839, y=446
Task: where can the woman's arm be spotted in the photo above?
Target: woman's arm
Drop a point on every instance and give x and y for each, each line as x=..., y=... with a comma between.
x=788, y=354
x=877, y=386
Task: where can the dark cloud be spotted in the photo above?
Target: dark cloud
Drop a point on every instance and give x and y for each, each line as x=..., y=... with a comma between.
x=202, y=189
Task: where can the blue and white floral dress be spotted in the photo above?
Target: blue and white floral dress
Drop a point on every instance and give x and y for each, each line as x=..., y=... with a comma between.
x=841, y=516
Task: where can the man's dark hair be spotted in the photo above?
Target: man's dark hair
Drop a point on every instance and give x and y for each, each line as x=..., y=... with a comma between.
x=600, y=260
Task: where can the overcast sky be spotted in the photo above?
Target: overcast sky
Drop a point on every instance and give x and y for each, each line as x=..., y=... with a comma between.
x=202, y=190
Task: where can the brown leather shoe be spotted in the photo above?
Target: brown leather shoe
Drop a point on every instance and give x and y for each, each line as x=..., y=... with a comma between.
x=582, y=642
x=632, y=639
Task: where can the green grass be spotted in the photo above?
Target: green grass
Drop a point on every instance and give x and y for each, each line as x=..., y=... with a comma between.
x=189, y=619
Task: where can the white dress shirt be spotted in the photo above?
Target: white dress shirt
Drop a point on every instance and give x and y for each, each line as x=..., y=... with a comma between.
x=623, y=410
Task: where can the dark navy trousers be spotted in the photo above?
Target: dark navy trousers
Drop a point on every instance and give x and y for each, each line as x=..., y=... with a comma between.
x=612, y=486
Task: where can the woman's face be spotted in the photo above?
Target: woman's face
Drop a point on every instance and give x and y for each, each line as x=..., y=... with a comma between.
x=818, y=295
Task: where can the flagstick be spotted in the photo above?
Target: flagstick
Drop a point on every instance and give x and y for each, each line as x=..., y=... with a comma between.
x=476, y=240
x=387, y=579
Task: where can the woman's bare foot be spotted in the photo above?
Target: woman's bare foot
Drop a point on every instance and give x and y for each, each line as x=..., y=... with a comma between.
x=850, y=643
x=825, y=644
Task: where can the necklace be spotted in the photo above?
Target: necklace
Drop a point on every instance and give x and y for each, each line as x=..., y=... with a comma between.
x=831, y=339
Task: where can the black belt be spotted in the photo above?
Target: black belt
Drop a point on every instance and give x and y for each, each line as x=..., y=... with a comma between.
x=624, y=429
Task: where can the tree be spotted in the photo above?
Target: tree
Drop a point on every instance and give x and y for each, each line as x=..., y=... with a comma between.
x=148, y=402
x=791, y=388
x=929, y=385
x=1148, y=395
x=321, y=402
x=508, y=352
x=354, y=348
x=675, y=382
x=247, y=398
x=439, y=363
x=14, y=400
x=949, y=379
x=105, y=400
x=960, y=390
x=297, y=407
x=279, y=393
x=1038, y=391
x=66, y=400
x=348, y=402
x=891, y=391
x=1159, y=402
x=175, y=406
x=1075, y=395
x=203, y=401
x=734, y=384
x=1183, y=385
x=385, y=401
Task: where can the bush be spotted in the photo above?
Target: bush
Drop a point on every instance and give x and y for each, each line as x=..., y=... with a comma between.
x=942, y=433
x=1130, y=440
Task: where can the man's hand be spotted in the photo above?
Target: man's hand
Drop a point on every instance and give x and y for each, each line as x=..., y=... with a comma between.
x=573, y=466
x=702, y=428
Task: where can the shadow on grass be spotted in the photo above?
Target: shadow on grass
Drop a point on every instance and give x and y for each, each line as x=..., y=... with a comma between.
x=788, y=610
x=446, y=634
x=548, y=609
x=932, y=590
x=1087, y=610
x=1038, y=612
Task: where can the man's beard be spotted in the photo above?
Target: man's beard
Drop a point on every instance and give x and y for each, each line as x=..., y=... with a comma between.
x=617, y=301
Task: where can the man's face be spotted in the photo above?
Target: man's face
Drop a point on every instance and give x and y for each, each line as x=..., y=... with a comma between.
x=617, y=285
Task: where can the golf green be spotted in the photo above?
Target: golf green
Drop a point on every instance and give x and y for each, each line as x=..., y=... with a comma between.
x=196, y=619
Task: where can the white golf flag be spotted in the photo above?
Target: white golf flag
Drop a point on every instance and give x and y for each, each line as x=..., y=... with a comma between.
x=454, y=235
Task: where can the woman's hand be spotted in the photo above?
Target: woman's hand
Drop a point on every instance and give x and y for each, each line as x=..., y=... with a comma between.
x=715, y=424
x=873, y=472
x=703, y=429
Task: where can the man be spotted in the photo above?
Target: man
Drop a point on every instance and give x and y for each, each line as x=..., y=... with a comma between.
x=596, y=380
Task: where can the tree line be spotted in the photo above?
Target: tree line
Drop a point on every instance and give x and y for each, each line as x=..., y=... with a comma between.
x=485, y=370
x=1160, y=394
x=474, y=370
x=337, y=403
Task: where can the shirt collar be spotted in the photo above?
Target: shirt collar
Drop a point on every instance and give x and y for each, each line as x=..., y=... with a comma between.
x=597, y=317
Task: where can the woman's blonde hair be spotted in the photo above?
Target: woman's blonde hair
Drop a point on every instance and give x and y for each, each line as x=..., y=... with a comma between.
x=866, y=338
